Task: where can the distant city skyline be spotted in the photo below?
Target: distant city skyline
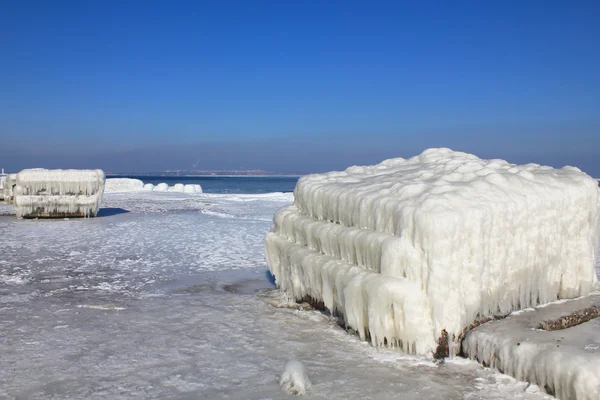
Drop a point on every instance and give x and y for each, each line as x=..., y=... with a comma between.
x=296, y=86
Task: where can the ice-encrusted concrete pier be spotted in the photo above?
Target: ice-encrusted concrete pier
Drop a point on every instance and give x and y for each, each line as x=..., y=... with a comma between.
x=413, y=250
x=42, y=193
x=563, y=362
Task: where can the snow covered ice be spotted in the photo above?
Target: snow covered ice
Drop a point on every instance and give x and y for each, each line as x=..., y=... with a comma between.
x=57, y=193
x=410, y=248
x=294, y=379
x=162, y=296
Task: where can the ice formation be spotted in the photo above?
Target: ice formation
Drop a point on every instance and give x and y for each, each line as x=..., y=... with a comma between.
x=161, y=187
x=177, y=188
x=294, y=379
x=58, y=193
x=411, y=249
x=3, y=178
x=564, y=362
x=123, y=185
x=8, y=187
x=192, y=189
x=129, y=185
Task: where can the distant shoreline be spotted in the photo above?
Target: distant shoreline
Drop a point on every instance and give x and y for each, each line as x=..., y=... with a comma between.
x=163, y=175
x=207, y=172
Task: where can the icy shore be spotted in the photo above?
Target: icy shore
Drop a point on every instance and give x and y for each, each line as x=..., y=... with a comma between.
x=413, y=250
x=157, y=298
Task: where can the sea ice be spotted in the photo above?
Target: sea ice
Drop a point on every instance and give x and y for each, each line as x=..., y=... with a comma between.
x=159, y=302
x=411, y=250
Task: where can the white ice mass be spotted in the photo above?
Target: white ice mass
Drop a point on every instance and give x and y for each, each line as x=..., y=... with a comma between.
x=410, y=248
x=8, y=187
x=3, y=177
x=564, y=362
x=57, y=193
x=161, y=187
x=131, y=185
x=294, y=379
x=123, y=185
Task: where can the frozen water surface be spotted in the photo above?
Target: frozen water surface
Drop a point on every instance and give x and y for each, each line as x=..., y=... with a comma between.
x=163, y=296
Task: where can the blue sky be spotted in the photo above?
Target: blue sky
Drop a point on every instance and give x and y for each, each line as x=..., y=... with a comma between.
x=296, y=86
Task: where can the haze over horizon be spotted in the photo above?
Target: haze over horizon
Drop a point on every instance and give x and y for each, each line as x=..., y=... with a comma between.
x=295, y=86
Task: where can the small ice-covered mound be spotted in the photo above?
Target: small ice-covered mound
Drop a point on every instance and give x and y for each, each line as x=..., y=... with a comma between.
x=123, y=185
x=161, y=187
x=130, y=185
x=177, y=188
x=192, y=189
x=410, y=252
x=294, y=379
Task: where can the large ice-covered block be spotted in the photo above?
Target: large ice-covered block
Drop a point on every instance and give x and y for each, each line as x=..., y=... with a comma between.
x=410, y=248
x=58, y=193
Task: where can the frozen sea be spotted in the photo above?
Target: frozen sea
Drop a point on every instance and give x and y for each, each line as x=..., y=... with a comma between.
x=165, y=295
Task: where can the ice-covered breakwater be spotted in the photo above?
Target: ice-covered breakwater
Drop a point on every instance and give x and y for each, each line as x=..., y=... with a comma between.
x=527, y=345
x=56, y=193
x=129, y=184
x=411, y=251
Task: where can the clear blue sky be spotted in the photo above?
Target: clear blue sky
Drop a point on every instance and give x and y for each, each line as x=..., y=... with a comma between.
x=296, y=85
